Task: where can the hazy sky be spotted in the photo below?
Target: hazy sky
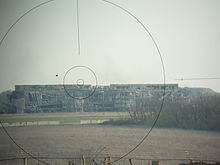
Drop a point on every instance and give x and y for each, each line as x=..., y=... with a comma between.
x=44, y=43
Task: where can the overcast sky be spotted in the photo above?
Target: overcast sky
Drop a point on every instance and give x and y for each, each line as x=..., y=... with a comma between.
x=43, y=44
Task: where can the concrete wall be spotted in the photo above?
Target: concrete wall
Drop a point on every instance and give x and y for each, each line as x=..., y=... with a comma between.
x=92, y=121
x=34, y=123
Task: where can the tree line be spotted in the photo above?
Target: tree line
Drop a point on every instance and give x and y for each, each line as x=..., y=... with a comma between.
x=201, y=113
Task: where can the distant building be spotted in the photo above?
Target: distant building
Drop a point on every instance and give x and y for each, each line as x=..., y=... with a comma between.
x=115, y=97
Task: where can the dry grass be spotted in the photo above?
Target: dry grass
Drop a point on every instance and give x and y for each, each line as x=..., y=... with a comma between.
x=73, y=140
x=102, y=140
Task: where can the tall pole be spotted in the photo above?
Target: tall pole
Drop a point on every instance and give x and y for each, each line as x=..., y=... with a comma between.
x=25, y=161
x=103, y=97
x=82, y=104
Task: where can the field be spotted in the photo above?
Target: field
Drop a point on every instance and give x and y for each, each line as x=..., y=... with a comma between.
x=101, y=140
x=63, y=118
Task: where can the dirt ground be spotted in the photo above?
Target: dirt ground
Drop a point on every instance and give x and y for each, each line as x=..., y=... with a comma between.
x=75, y=140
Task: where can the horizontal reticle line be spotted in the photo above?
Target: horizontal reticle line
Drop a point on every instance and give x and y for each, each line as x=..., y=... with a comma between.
x=199, y=78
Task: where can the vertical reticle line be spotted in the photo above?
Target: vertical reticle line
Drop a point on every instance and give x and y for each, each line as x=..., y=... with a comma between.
x=78, y=27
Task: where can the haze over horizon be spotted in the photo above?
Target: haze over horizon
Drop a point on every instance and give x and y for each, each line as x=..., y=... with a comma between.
x=42, y=47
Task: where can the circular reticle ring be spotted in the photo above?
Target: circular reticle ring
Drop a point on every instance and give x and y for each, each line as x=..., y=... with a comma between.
x=159, y=53
x=80, y=82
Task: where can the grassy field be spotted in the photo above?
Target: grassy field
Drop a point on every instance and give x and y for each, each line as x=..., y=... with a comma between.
x=63, y=118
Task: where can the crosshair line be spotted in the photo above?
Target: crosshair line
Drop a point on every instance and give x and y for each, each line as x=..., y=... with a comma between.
x=199, y=78
x=78, y=27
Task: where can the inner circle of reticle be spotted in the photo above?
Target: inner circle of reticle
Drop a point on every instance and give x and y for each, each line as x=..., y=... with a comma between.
x=80, y=82
x=157, y=49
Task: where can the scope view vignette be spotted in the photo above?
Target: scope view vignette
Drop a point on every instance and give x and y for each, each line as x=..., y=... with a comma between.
x=103, y=82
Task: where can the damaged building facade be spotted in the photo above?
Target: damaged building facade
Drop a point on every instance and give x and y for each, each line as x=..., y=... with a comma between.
x=115, y=97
